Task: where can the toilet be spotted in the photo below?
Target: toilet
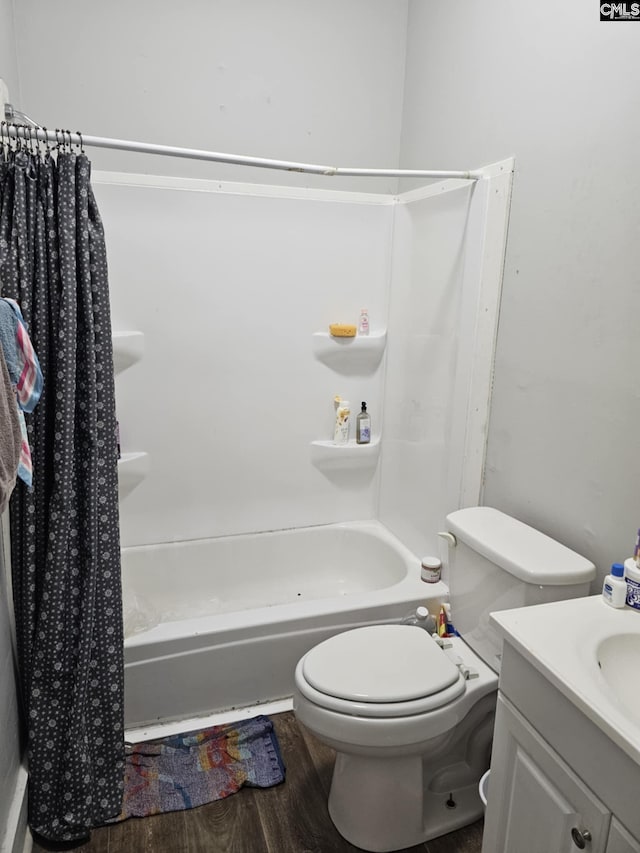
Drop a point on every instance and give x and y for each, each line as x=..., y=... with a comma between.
x=411, y=716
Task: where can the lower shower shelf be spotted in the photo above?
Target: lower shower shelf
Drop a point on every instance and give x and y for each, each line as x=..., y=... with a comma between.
x=128, y=348
x=326, y=454
x=132, y=469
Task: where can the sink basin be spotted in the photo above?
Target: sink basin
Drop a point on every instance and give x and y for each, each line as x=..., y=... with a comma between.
x=619, y=658
x=594, y=660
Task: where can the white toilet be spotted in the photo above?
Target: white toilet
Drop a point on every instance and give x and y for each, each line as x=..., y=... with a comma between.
x=412, y=722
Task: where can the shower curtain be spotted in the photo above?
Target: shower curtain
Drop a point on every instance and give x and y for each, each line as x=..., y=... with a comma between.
x=65, y=546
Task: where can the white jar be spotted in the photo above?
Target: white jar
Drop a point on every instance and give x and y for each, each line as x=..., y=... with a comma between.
x=431, y=569
x=632, y=578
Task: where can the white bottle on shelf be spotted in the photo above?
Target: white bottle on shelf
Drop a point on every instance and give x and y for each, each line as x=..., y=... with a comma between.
x=343, y=417
x=363, y=325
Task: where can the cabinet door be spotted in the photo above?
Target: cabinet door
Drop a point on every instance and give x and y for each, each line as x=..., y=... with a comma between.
x=536, y=804
x=620, y=841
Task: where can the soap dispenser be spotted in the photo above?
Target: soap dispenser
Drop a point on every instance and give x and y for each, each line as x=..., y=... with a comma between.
x=363, y=426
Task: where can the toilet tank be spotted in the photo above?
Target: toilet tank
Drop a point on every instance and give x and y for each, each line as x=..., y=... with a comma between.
x=499, y=563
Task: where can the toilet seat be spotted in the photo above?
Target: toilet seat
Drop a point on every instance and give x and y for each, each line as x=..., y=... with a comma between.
x=379, y=671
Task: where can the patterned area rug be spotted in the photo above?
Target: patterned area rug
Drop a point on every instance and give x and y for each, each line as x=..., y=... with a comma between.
x=187, y=770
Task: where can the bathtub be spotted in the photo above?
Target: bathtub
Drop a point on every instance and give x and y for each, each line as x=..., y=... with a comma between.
x=218, y=624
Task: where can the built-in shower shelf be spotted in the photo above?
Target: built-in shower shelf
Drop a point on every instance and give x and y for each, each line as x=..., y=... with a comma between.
x=128, y=348
x=326, y=454
x=361, y=354
x=132, y=469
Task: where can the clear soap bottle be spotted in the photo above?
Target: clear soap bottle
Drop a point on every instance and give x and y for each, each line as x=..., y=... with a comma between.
x=363, y=426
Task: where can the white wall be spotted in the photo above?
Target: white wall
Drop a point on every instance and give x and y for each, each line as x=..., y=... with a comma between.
x=12, y=786
x=553, y=86
x=9, y=743
x=8, y=54
x=228, y=288
x=288, y=79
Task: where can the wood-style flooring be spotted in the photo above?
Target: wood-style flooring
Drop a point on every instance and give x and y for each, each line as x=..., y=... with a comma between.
x=289, y=818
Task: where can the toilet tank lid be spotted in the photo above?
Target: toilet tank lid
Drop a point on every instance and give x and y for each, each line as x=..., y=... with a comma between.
x=526, y=553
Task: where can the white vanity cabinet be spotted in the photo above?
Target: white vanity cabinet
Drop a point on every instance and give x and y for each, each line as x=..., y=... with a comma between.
x=621, y=841
x=557, y=783
x=538, y=804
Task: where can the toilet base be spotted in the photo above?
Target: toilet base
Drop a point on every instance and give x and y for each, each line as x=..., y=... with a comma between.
x=400, y=781
x=382, y=806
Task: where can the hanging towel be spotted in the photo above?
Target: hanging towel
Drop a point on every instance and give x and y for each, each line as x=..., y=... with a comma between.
x=25, y=374
x=28, y=379
x=10, y=438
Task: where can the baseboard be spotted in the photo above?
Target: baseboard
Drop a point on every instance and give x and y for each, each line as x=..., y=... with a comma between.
x=17, y=838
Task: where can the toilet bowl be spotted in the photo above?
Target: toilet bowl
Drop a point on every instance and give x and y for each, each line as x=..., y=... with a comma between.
x=411, y=716
x=411, y=723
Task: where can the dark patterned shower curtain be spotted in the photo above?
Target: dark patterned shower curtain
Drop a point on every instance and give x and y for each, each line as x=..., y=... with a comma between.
x=64, y=532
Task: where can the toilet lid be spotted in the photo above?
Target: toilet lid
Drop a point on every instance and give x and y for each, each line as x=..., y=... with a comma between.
x=379, y=664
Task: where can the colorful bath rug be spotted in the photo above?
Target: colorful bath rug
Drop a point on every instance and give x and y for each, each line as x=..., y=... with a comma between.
x=187, y=770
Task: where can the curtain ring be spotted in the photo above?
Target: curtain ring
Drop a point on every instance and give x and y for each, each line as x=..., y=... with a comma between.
x=70, y=143
x=81, y=144
x=46, y=142
x=57, y=138
x=36, y=140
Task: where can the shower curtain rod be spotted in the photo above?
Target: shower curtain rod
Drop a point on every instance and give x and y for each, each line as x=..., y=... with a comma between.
x=66, y=137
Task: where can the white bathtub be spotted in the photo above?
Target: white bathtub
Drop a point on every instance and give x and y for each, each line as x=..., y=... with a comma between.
x=221, y=623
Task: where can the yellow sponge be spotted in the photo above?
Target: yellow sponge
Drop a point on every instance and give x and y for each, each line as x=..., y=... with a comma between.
x=342, y=330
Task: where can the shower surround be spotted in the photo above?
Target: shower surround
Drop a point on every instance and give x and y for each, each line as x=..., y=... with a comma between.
x=234, y=287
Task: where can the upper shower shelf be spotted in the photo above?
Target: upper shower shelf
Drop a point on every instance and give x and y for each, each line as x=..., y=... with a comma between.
x=358, y=355
x=128, y=348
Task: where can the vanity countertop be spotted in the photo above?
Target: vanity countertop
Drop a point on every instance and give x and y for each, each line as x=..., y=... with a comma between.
x=591, y=653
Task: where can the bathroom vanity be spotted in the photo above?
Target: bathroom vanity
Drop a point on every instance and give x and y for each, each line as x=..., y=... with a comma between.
x=565, y=768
